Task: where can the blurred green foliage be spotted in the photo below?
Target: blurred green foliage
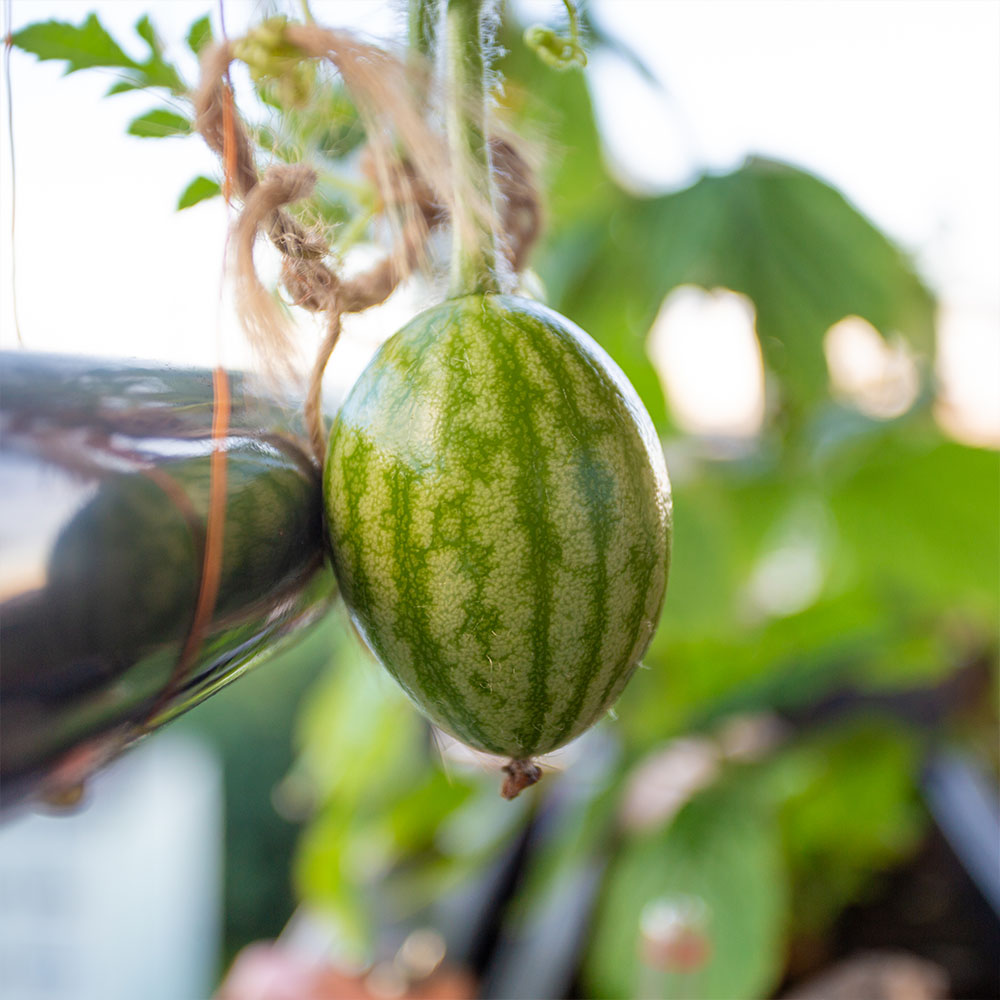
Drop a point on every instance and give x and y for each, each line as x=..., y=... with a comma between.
x=898, y=522
x=721, y=856
x=855, y=779
x=249, y=728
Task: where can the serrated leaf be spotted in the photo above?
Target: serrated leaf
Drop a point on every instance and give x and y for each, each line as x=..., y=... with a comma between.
x=159, y=124
x=722, y=853
x=157, y=72
x=199, y=189
x=199, y=34
x=145, y=30
x=82, y=47
x=89, y=45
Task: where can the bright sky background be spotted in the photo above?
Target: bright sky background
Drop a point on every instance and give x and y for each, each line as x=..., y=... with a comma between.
x=897, y=103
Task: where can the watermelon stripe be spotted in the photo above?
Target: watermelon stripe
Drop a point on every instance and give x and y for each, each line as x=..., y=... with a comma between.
x=594, y=482
x=352, y=463
x=517, y=406
x=619, y=676
x=454, y=529
x=575, y=718
x=411, y=623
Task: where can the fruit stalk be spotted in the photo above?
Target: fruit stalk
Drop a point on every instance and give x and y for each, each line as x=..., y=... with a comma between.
x=422, y=29
x=474, y=255
x=474, y=247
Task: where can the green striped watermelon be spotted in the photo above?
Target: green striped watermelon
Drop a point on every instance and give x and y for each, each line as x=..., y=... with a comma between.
x=499, y=514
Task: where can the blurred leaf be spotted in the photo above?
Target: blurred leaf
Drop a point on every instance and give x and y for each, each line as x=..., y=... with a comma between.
x=722, y=850
x=483, y=822
x=906, y=544
x=704, y=571
x=803, y=255
x=360, y=751
x=249, y=725
x=145, y=30
x=199, y=34
x=778, y=664
x=323, y=877
x=919, y=519
x=198, y=190
x=159, y=124
x=81, y=47
x=124, y=86
x=917, y=654
x=849, y=810
x=791, y=243
x=360, y=739
x=451, y=828
x=328, y=126
x=89, y=46
x=156, y=70
x=416, y=815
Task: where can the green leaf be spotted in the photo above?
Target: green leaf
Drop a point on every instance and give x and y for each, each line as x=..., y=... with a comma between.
x=81, y=47
x=849, y=810
x=919, y=519
x=159, y=124
x=259, y=842
x=785, y=662
x=199, y=189
x=124, y=86
x=89, y=45
x=323, y=878
x=359, y=736
x=145, y=30
x=199, y=34
x=804, y=256
x=157, y=72
x=722, y=856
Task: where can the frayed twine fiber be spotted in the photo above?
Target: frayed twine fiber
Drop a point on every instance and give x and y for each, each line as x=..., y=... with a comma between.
x=257, y=310
x=416, y=187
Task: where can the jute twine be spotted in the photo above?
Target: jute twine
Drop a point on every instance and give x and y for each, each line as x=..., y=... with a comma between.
x=415, y=189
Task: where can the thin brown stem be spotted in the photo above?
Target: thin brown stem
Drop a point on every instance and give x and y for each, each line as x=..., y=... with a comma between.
x=314, y=397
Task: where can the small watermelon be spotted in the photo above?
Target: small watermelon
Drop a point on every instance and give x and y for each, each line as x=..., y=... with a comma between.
x=500, y=519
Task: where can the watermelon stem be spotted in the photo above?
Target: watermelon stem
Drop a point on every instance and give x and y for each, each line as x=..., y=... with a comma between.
x=521, y=774
x=422, y=28
x=474, y=251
